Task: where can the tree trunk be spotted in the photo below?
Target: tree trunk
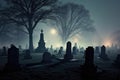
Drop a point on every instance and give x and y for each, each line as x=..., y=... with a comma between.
x=30, y=33
x=31, y=41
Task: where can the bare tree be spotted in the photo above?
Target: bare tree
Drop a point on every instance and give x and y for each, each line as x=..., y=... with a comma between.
x=27, y=13
x=71, y=19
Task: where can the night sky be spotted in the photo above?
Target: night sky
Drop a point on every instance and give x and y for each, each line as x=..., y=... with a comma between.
x=104, y=13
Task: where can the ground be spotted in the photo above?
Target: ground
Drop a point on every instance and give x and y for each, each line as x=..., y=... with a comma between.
x=58, y=71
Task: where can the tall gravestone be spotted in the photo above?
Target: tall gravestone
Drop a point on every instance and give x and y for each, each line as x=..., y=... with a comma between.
x=41, y=44
x=68, y=56
x=89, y=69
x=89, y=56
x=103, y=54
x=13, y=59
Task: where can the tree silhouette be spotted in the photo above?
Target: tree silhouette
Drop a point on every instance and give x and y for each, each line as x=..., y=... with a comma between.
x=27, y=13
x=71, y=19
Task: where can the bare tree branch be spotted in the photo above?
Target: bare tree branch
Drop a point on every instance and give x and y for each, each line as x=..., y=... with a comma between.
x=27, y=13
x=71, y=19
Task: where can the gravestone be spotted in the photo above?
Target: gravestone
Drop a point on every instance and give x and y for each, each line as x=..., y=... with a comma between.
x=103, y=54
x=89, y=70
x=60, y=50
x=89, y=56
x=68, y=56
x=51, y=49
x=47, y=57
x=4, y=51
x=97, y=50
x=27, y=55
x=13, y=59
x=75, y=51
x=41, y=44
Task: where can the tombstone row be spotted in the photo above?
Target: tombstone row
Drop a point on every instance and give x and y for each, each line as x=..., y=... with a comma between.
x=13, y=57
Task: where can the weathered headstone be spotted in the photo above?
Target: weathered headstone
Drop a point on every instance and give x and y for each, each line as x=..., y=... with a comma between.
x=47, y=57
x=68, y=56
x=13, y=59
x=103, y=54
x=27, y=55
x=89, y=69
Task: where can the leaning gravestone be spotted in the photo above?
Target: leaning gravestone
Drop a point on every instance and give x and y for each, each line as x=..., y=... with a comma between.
x=68, y=56
x=47, y=57
x=27, y=55
x=13, y=59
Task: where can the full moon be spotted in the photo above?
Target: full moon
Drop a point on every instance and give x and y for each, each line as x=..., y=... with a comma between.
x=53, y=31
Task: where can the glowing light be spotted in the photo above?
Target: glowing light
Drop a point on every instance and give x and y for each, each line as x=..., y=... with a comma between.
x=75, y=40
x=53, y=31
x=58, y=45
x=107, y=43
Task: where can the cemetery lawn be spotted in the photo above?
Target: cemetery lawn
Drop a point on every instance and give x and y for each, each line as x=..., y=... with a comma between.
x=56, y=70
